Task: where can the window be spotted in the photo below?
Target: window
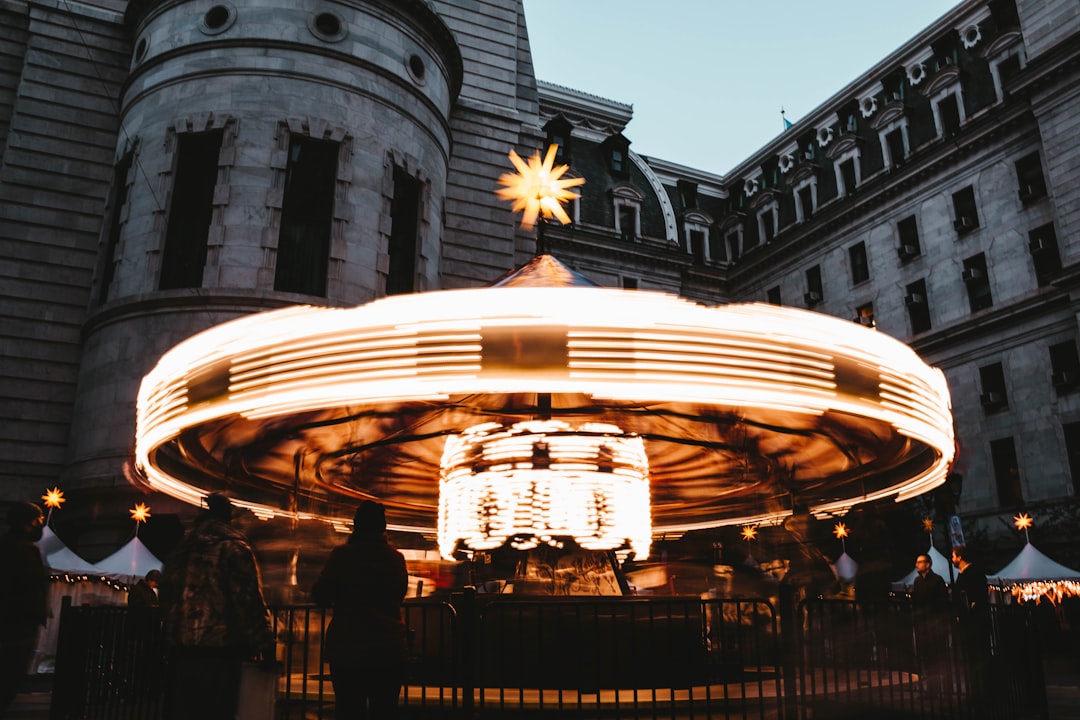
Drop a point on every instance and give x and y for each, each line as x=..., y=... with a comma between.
x=697, y=245
x=1006, y=472
x=717, y=251
x=908, y=232
x=1004, y=70
x=687, y=194
x=1064, y=367
x=627, y=222
x=191, y=209
x=977, y=282
x=947, y=115
x=864, y=315
x=767, y=223
x=558, y=133
x=847, y=176
x=1072, y=449
x=1029, y=178
x=895, y=146
x=1042, y=243
x=772, y=295
x=805, y=201
x=307, y=209
x=733, y=240
x=992, y=382
x=116, y=215
x=618, y=161
x=616, y=149
x=627, y=205
x=860, y=268
x=965, y=215
x=814, y=294
x=918, y=306
x=404, y=233
x=630, y=283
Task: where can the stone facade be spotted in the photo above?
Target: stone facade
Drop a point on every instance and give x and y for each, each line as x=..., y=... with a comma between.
x=860, y=210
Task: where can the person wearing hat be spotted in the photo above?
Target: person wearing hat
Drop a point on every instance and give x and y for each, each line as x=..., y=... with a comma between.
x=215, y=616
x=22, y=602
x=365, y=581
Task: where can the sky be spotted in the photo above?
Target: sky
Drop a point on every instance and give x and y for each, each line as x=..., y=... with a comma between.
x=708, y=78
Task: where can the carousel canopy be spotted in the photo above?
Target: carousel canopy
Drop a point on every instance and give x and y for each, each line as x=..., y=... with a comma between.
x=60, y=559
x=938, y=563
x=133, y=561
x=1030, y=565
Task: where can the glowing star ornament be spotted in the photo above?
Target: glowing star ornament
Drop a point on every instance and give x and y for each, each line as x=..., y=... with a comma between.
x=53, y=499
x=139, y=514
x=841, y=532
x=1023, y=522
x=928, y=525
x=538, y=187
x=749, y=533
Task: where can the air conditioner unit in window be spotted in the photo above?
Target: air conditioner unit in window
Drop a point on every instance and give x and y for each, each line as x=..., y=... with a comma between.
x=906, y=252
x=914, y=299
x=812, y=298
x=971, y=275
x=992, y=399
x=1066, y=379
x=964, y=223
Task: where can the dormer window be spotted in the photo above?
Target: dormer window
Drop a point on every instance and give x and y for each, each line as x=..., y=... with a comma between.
x=1005, y=67
x=688, y=195
x=616, y=151
x=558, y=131
x=768, y=221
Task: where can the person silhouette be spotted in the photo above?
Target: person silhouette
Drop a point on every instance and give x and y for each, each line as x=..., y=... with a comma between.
x=215, y=616
x=22, y=603
x=365, y=582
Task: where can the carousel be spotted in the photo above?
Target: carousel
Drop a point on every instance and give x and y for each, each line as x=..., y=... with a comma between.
x=544, y=410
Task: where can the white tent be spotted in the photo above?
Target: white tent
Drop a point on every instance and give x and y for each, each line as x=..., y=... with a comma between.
x=59, y=559
x=1030, y=564
x=131, y=562
x=938, y=563
x=845, y=568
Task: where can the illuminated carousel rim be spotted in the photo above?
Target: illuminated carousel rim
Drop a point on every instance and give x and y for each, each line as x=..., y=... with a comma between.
x=611, y=344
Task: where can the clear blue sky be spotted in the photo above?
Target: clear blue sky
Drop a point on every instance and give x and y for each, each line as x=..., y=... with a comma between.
x=707, y=78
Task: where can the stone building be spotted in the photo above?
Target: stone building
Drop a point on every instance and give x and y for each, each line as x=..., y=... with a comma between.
x=166, y=165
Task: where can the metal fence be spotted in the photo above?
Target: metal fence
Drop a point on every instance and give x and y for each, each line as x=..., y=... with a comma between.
x=495, y=656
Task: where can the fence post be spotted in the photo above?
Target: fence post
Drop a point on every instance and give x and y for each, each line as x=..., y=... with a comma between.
x=788, y=651
x=468, y=624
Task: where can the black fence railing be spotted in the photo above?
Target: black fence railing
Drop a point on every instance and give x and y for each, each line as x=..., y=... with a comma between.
x=492, y=656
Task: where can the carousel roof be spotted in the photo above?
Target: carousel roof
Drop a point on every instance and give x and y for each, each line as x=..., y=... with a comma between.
x=745, y=410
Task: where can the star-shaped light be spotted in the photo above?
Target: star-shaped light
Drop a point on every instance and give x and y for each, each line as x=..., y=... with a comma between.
x=840, y=531
x=928, y=524
x=537, y=188
x=1022, y=521
x=749, y=532
x=140, y=512
x=54, y=498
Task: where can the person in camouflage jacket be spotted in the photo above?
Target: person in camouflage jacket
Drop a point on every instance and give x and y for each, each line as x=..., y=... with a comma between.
x=215, y=615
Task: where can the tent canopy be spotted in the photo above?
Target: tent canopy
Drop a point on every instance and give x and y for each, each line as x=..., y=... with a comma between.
x=60, y=559
x=939, y=564
x=1030, y=564
x=131, y=562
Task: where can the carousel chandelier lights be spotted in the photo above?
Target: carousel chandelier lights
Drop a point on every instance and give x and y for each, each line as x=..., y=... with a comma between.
x=544, y=481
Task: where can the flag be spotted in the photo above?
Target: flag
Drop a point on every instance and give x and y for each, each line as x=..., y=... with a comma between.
x=787, y=123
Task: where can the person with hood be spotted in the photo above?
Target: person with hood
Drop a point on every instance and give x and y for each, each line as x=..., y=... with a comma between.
x=215, y=617
x=365, y=582
x=23, y=600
